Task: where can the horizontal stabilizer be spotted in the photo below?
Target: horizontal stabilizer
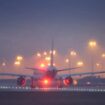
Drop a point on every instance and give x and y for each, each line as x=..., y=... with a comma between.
x=67, y=69
x=32, y=68
x=36, y=69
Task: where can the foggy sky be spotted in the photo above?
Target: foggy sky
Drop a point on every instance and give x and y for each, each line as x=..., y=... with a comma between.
x=27, y=26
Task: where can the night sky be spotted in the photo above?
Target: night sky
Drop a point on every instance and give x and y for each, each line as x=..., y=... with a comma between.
x=27, y=26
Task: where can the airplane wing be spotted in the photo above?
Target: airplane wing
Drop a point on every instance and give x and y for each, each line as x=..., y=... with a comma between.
x=32, y=68
x=18, y=75
x=59, y=70
x=81, y=74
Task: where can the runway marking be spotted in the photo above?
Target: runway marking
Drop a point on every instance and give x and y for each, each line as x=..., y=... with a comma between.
x=78, y=89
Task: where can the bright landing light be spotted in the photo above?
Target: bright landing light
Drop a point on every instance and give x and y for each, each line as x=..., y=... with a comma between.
x=46, y=81
x=42, y=65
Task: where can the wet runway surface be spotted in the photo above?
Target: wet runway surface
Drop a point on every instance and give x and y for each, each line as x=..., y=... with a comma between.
x=70, y=96
x=51, y=98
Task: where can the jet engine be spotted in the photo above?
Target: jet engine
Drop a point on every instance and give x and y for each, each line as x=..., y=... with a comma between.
x=68, y=81
x=21, y=81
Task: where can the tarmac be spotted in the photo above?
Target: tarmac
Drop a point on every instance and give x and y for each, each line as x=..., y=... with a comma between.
x=51, y=97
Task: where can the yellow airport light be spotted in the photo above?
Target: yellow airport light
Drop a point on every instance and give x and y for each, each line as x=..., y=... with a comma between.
x=80, y=63
x=42, y=65
x=17, y=63
x=38, y=54
x=103, y=55
x=67, y=60
x=49, y=64
x=75, y=82
x=54, y=52
x=54, y=64
x=92, y=43
x=71, y=57
x=3, y=64
x=73, y=53
x=45, y=53
x=19, y=58
x=47, y=58
x=97, y=64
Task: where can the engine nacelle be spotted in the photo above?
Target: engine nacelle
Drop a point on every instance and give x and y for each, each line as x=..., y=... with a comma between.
x=21, y=81
x=68, y=81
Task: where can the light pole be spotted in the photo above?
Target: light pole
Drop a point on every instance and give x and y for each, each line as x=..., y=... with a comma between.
x=98, y=66
x=67, y=61
x=18, y=60
x=92, y=44
x=103, y=57
x=72, y=54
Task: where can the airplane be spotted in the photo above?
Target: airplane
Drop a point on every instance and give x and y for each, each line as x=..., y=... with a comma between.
x=49, y=76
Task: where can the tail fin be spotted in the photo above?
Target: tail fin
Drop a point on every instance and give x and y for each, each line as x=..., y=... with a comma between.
x=52, y=51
